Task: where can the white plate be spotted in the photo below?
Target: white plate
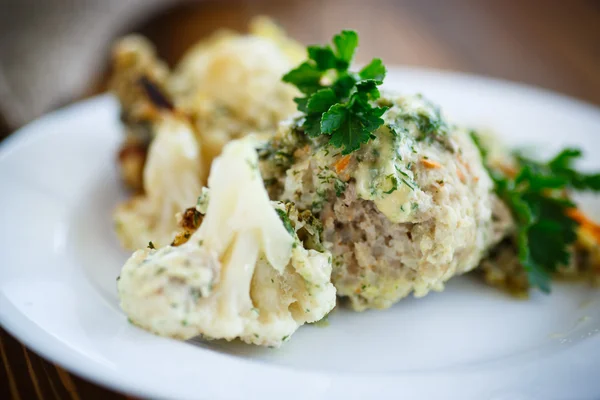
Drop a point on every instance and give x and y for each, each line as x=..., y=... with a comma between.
x=60, y=260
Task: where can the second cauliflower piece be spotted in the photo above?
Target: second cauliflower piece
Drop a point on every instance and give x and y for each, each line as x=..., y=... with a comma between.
x=221, y=90
x=172, y=181
x=244, y=273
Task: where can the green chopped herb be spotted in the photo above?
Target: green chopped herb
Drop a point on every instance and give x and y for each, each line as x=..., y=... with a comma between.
x=340, y=187
x=407, y=183
x=286, y=221
x=196, y=294
x=394, y=181
x=151, y=246
x=341, y=109
x=406, y=178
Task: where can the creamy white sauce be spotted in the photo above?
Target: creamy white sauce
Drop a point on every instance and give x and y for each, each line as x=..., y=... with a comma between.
x=384, y=178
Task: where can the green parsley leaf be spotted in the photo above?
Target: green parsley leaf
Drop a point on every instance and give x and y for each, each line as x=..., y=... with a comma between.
x=565, y=158
x=312, y=125
x=323, y=57
x=334, y=118
x=302, y=103
x=355, y=128
x=367, y=90
x=306, y=77
x=321, y=101
x=344, y=85
x=151, y=246
x=345, y=44
x=562, y=165
x=374, y=70
x=343, y=110
x=316, y=105
x=537, y=199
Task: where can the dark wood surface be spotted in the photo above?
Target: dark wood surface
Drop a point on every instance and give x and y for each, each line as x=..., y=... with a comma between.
x=550, y=43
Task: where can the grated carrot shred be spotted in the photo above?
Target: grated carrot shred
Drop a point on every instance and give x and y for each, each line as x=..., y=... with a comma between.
x=431, y=164
x=461, y=176
x=585, y=222
x=342, y=163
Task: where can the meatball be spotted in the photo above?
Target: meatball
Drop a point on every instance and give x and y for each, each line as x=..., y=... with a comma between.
x=408, y=211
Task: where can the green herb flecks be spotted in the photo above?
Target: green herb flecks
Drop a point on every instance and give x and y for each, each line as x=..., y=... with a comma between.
x=287, y=223
x=394, y=184
x=431, y=125
x=337, y=102
x=340, y=187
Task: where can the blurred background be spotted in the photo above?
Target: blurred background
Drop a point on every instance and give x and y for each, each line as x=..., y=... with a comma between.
x=53, y=52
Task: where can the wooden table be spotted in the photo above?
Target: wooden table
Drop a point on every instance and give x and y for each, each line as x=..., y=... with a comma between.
x=551, y=43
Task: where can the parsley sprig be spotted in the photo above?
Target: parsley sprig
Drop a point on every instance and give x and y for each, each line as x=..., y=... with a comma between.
x=538, y=196
x=338, y=102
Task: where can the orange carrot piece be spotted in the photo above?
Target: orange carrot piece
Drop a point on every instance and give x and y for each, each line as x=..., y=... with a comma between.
x=461, y=176
x=508, y=170
x=342, y=163
x=585, y=222
x=431, y=164
x=576, y=215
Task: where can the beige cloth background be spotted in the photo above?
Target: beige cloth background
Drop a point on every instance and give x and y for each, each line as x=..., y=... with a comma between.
x=51, y=50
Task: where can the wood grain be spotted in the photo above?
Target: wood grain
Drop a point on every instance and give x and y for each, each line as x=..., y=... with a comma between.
x=550, y=43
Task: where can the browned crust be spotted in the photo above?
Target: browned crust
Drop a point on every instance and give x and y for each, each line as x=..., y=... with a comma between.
x=191, y=219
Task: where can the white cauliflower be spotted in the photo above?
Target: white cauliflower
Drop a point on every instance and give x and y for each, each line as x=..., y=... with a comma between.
x=230, y=84
x=171, y=180
x=223, y=86
x=244, y=273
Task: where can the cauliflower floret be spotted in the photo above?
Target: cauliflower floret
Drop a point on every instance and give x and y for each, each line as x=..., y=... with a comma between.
x=244, y=273
x=172, y=181
x=222, y=86
x=229, y=90
x=134, y=62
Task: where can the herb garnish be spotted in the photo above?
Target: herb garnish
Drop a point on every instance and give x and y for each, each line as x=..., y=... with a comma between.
x=151, y=246
x=287, y=223
x=337, y=102
x=538, y=196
